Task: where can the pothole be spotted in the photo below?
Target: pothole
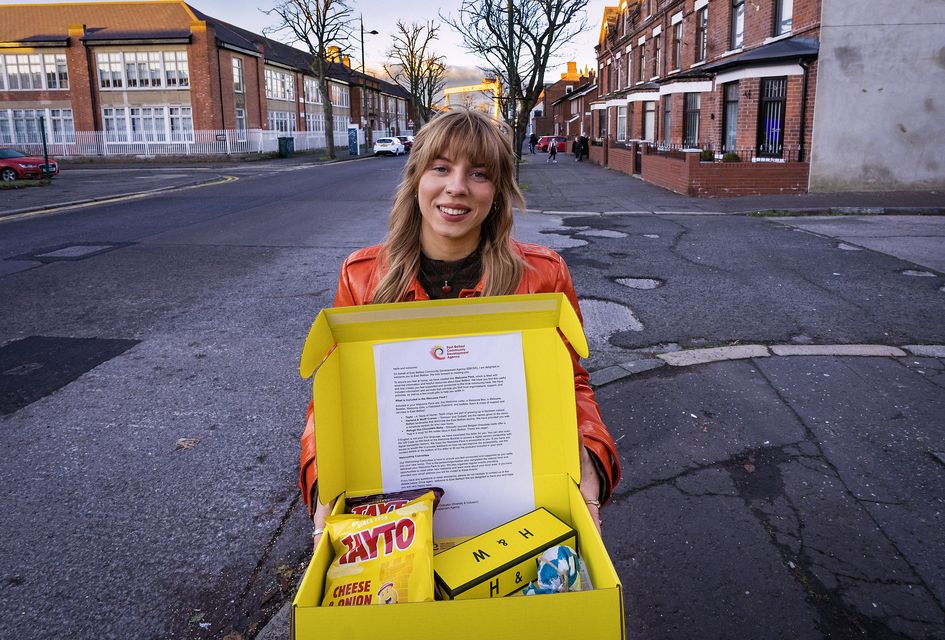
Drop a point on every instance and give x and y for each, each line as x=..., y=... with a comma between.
x=843, y=246
x=557, y=241
x=918, y=274
x=602, y=233
x=603, y=318
x=640, y=283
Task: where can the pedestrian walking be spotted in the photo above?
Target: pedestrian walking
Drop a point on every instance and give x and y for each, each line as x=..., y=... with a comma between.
x=532, y=141
x=576, y=149
x=450, y=236
x=584, y=148
x=553, y=152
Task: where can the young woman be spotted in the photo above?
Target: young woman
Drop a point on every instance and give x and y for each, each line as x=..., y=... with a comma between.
x=450, y=236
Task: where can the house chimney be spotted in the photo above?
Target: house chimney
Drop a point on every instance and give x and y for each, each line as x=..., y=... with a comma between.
x=76, y=30
x=346, y=61
x=572, y=73
x=333, y=54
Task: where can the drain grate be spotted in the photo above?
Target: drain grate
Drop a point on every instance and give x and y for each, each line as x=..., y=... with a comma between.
x=71, y=251
x=34, y=367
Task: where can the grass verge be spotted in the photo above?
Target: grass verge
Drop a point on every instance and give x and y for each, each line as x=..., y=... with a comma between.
x=19, y=184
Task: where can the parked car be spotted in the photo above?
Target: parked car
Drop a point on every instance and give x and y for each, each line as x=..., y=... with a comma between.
x=15, y=165
x=389, y=146
x=544, y=141
x=407, y=141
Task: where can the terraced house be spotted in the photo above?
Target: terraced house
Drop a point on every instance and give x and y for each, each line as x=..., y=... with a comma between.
x=684, y=83
x=732, y=97
x=161, y=77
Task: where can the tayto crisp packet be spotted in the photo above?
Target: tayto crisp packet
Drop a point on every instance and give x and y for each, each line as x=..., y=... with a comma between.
x=379, y=503
x=382, y=559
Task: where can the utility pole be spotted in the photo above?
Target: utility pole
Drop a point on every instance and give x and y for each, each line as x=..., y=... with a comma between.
x=364, y=119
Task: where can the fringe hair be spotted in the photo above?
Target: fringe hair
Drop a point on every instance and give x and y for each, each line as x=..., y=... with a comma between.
x=455, y=133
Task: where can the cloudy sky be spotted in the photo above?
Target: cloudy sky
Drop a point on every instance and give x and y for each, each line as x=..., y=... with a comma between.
x=382, y=15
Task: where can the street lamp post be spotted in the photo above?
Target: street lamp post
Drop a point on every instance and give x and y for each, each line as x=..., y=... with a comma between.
x=364, y=120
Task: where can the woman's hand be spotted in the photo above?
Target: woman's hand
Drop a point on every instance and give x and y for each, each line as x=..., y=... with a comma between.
x=590, y=485
x=322, y=511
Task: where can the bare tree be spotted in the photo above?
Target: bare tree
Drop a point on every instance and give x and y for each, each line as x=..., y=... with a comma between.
x=416, y=68
x=319, y=25
x=515, y=40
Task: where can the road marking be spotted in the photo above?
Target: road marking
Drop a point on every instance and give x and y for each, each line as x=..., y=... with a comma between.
x=113, y=199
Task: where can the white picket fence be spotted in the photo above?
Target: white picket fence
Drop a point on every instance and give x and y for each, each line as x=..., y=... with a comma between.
x=206, y=142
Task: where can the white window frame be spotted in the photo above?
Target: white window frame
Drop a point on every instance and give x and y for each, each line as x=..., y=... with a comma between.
x=239, y=85
x=148, y=123
x=283, y=121
x=240, y=124
x=142, y=70
x=312, y=92
x=46, y=71
x=280, y=85
x=60, y=126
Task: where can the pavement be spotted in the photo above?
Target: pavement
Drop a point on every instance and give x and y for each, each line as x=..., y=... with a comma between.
x=768, y=436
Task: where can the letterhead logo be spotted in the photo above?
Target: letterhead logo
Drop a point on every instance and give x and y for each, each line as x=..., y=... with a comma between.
x=438, y=352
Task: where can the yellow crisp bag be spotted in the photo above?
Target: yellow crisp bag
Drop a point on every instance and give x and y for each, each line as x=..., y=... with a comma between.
x=383, y=559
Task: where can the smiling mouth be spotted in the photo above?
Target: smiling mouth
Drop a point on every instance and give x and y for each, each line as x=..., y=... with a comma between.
x=453, y=212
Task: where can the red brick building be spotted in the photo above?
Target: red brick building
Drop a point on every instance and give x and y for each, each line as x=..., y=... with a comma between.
x=544, y=124
x=162, y=77
x=708, y=97
x=572, y=111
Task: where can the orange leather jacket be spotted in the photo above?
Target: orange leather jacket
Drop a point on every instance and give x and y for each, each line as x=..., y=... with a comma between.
x=545, y=272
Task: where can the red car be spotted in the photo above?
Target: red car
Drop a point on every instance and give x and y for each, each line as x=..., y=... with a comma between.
x=19, y=166
x=544, y=141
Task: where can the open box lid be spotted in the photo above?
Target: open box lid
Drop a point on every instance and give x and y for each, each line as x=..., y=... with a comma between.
x=340, y=346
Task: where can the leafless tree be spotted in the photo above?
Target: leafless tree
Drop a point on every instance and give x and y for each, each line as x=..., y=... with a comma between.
x=319, y=25
x=515, y=39
x=416, y=68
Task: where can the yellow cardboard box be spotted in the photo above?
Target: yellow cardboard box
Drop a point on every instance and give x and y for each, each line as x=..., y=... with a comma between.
x=501, y=560
x=340, y=346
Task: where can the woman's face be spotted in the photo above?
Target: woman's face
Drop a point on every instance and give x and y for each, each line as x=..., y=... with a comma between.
x=455, y=197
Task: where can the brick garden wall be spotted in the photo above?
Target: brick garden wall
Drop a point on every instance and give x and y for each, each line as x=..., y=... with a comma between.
x=665, y=172
x=712, y=179
x=621, y=159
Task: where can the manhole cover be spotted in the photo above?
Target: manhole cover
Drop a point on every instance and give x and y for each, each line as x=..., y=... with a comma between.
x=75, y=251
x=71, y=251
x=34, y=367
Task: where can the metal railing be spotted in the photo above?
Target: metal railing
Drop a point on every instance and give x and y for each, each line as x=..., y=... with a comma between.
x=788, y=153
x=203, y=142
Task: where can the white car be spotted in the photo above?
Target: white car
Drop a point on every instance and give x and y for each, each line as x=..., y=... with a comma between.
x=391, y=146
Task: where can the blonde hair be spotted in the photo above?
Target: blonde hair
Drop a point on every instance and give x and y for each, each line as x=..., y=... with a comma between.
x=477, y=137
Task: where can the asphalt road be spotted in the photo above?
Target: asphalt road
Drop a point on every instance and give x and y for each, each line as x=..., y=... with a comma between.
x=151, y=408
